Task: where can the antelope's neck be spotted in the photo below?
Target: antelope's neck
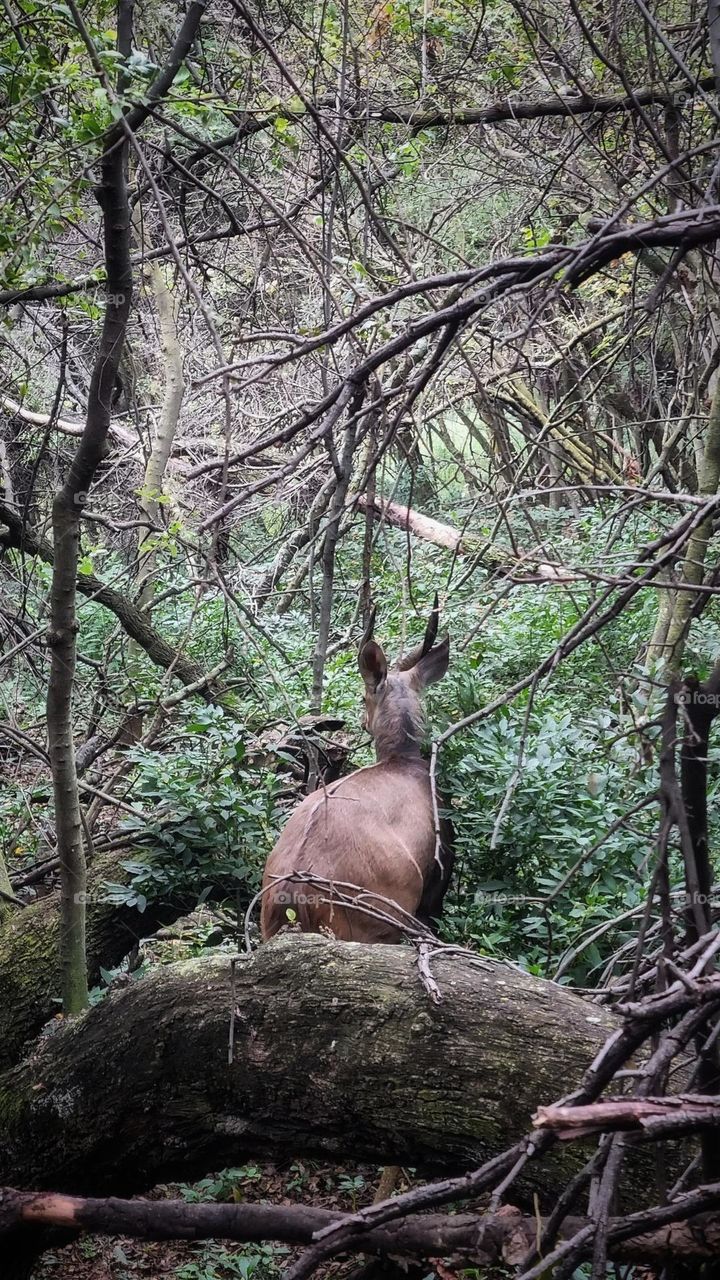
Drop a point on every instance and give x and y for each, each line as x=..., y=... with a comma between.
x=399, y=734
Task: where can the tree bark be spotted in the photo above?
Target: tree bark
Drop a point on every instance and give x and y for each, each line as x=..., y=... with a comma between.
x=6, y=891
x=338, y=1050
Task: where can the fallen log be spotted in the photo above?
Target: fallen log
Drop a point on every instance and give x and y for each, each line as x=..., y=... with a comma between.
x=471, y=1238
x=338, y=1050
x=495, y=559
x=127, y=439
x=67, y=427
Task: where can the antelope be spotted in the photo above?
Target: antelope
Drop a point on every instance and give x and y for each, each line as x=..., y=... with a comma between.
x=374, y=829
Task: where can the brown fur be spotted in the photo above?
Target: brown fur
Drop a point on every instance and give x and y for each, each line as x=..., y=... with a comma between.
x=373, y=829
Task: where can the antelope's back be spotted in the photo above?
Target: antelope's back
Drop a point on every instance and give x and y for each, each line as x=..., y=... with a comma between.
x=373, y=829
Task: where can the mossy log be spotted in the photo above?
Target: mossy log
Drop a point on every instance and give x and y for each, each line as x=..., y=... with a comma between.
x=29, y=951
x=339, y=1051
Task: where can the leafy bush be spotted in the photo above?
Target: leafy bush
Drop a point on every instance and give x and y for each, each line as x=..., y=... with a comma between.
x=525, y=815
x=216, y=814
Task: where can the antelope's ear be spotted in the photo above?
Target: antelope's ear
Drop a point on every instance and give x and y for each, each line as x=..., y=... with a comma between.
x=432, y=667
x=373, y=666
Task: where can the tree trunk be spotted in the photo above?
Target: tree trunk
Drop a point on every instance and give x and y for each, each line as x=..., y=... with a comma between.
x=338, y=1050
x=166, y=305
x=675, y=609
x=67, y=507
x=343, y=470
x=295, y=542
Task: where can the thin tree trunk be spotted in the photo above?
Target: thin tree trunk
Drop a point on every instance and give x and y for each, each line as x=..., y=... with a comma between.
x=368, y=537
x=675, y=609
x=5, y=887
x=343, y=473
x=67, y=507
x=287, y=599
x=297, y=540
x=112, y=196
x=164, y=436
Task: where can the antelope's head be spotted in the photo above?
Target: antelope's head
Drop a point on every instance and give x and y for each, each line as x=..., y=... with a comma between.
x=393, y=709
